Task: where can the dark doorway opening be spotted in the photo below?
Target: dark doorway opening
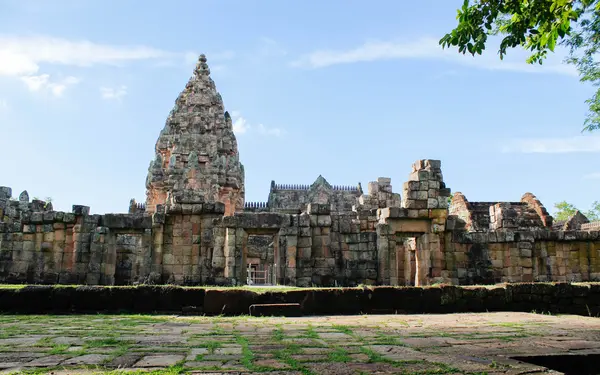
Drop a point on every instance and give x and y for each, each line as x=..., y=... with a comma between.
x=261, y=259
x=569, y=364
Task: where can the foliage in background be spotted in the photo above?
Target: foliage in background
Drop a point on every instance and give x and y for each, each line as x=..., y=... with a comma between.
x=566, y=210
x=537, y=26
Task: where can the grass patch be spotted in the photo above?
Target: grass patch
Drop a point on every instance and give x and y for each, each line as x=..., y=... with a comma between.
x=46, y=341
x=339, y=355
x=59, y=349
x=311, y=333
x=285, y=356
x=103, y=343
x=211, y=346
x=344, y=329
x=247, y=355
x=278, y=334
x=374, y=357
x=387, y=340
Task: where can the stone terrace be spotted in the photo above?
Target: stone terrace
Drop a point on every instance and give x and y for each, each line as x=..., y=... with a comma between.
x=384, y=344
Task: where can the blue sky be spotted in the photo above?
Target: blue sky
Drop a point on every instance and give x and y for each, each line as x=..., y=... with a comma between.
x=334, y=87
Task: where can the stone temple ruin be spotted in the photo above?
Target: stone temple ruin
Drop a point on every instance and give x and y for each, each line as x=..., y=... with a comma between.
x=195, y=227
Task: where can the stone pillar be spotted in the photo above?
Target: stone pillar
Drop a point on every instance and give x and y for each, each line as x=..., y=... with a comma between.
x=451, y=264
x=229, y=250
x=279, y=250
x=240, y=256
x=37, y=262
x=397, y=260
x=97, y=251
x=208, y=235
x=141, y=273
x=290, y=236
x=201, y=230
x=410, y=246
x=174, y=243
x=437, y=256
x=158, y=228
x=189, y=251
x=383, y=254
x=525, y=245
x=81, y=243
x=304, y=251
x=109, y=259
x=423, y=259
x=215, y=269
x=320, y=225
x=58, y=245
x=68, y=259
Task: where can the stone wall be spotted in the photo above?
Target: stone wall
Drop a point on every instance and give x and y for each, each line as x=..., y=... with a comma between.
x=418, y=242
x=294, y=198
x=582, y=299
x=196, y=228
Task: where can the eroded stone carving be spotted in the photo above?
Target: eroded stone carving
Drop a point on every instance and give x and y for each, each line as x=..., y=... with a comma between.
x=200, y=131
x=24, y=196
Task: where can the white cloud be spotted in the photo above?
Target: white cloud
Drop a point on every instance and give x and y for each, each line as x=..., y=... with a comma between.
x=428, y=48
x=579, y=144
x=21, y=55
x=3, y=105
x=109, y=93
x=592, y=176
x=43, y=82
x=241, y=126
x=269, y=131
x=14, y=64
x=25, y=56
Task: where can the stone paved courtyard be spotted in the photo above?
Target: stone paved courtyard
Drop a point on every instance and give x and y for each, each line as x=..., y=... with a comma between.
x=352, y=345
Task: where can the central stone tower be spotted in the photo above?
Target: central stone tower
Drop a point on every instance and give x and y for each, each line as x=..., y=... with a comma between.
x=197, y=159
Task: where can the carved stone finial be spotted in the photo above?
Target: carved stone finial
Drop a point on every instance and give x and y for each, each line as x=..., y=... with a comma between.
x=202, y=58
x=24, y=196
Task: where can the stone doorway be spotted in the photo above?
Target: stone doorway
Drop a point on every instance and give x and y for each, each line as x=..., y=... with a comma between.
x=406, y=258
x=260, y=259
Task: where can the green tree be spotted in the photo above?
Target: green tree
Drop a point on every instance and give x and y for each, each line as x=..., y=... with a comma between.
x=564, y=210
x=537, y=26
x=594, y=213
x=450, y=199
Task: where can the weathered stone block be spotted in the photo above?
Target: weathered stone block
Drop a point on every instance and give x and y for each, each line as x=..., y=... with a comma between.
x=318, y=209
x=304, y=241
x=37, y=217
x=5, y=192
x=323, y=220
x=432, y=203
x=392, y=213
x=79, y=210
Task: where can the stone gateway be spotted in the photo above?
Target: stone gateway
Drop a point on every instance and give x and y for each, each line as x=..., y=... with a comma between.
x=195, y=227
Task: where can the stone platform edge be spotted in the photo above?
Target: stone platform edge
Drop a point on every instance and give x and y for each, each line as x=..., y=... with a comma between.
x=556, y=298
